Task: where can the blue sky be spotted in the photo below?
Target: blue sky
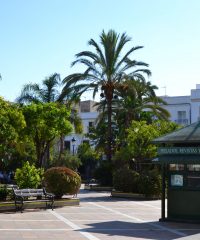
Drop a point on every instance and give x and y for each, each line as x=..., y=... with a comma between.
x=41, y=37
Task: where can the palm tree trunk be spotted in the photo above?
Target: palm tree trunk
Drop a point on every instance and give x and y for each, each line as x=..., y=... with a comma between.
x=109, y=146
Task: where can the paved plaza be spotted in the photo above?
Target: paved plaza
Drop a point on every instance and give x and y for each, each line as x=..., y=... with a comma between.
x=99, y=217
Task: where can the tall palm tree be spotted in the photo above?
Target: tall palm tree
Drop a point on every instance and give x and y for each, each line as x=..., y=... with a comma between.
x=106, y=69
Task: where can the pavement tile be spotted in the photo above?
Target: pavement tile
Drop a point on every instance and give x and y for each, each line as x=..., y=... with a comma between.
x=116, y=219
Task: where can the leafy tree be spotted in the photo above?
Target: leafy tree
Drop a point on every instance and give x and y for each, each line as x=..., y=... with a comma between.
x=165, y=127
x=50, y=91
x=87, y=154
x=45, y=122
x=11, y=124
x=67, y=160
x=140, y=135
x=106, y=69
x=89, y=158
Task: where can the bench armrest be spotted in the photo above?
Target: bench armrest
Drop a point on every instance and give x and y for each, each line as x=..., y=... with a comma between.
x=19, y=197
x=50, y=195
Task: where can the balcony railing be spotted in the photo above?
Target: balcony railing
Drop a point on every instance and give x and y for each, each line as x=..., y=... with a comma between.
x=182, y=121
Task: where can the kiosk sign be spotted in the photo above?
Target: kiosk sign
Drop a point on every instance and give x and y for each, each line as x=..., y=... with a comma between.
x=179, y=151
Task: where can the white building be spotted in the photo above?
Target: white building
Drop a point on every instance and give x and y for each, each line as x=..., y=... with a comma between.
x=184, y=110
x=88, y=113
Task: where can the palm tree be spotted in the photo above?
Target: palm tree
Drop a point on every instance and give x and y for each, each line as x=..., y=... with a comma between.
x=138, y=98
x=106, y=69
x=45, y=94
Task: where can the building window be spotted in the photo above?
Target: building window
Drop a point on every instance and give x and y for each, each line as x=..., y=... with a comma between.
x=199, y=114
x=193, y=167
x=182, y=118
x=181, y=114
x=193, y=181
x=176, y=167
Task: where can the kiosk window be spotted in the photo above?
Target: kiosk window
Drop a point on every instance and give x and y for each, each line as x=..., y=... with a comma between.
x=177, y=180
x=193, y=167
x=176, y=167
x=193, y=181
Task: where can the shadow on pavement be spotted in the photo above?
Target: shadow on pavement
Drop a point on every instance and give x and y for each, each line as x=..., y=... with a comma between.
x=147, y=230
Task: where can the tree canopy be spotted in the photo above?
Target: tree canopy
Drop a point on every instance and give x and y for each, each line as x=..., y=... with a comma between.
x=45, y=122
x=12, y=122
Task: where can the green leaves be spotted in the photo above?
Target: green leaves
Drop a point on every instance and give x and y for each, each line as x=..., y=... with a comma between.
x=11, y=124
x=29, y=176
x=45, y=122
x=140, y=136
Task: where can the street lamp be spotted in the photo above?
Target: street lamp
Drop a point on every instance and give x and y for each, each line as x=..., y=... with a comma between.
x=73, y=144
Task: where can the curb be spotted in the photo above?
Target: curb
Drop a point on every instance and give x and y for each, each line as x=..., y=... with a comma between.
x=135, y=196
x=10, y=206
x=97, y=188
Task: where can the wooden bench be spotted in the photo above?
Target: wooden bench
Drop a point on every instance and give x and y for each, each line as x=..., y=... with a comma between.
x=22, y=196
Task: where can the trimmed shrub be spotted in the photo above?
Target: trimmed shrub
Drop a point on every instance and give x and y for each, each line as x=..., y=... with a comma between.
x=103, y=174
x=150, y=183
x=126, y=180
x=61, y=180
x=29, y=176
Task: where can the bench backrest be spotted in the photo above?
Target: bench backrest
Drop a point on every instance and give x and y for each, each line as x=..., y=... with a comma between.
x=29, y=192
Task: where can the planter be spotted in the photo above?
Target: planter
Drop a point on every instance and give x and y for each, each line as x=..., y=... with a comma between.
x=135, y=196
x=93, y=187
x=10, y=205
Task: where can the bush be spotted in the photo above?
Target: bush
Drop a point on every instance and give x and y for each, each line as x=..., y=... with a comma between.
x=150, y=183
x=66, y=160
x=29, y=176
x=3, y=192
x=125, y=180
x=61, y=180
x=103, y=174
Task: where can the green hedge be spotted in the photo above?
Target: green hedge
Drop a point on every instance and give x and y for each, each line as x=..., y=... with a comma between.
x=150, y=183
x=125, y=180
x=129, y=181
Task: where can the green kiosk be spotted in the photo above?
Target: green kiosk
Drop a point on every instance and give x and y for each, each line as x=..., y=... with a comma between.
x=179, y=155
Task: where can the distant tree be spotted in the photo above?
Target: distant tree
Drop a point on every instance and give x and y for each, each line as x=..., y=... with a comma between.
x=44, y=123
x=51, y=91
x=33, y=93
x=66, y=160
x=88, y=158
x=140, y=135
x=138, y=100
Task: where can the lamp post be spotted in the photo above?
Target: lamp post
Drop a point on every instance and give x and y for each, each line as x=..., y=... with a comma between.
x=73, y=144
